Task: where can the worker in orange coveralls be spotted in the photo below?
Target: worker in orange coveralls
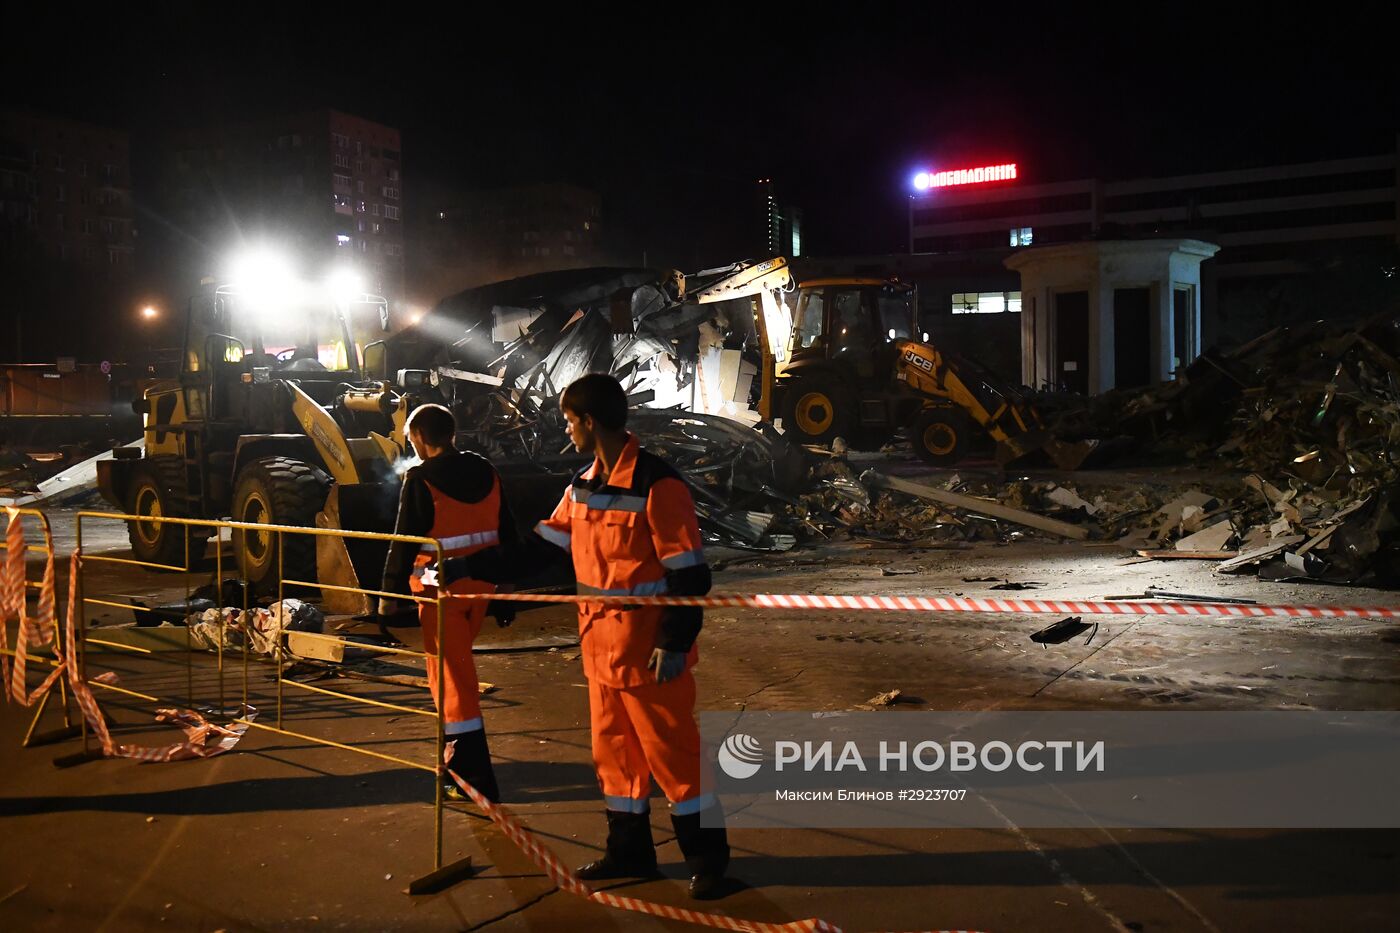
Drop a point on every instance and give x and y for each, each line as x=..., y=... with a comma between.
x=456, y=498
x=629, y=522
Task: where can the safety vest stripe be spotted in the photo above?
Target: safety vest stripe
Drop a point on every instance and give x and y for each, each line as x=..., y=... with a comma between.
x=654, y=588
x=554, y=536
x=683, y=560
x=693, y=805
x=459, y=542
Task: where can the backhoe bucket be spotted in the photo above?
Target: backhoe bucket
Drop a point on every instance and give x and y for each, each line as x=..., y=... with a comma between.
x=1067, y=456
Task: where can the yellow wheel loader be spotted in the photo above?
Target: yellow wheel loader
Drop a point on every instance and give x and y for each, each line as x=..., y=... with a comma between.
x=271, y=421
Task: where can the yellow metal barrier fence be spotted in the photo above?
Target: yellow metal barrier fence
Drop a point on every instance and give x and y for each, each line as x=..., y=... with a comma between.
x=441, y=874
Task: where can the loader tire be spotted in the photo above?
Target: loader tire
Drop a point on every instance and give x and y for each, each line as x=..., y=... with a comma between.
x=277, y=491
x=158, y=491
x=939, y=435
x=817, y=410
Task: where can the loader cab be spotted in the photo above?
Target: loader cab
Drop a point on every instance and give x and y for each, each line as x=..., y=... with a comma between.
x=301, y=339
x=235, y=348
x=851, y=324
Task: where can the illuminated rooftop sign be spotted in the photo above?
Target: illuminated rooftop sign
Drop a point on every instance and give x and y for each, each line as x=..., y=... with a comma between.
x=965, y=176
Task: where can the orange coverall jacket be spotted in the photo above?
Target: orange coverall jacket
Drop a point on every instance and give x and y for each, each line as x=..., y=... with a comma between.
x=625, y=535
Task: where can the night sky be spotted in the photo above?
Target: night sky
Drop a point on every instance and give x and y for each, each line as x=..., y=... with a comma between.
x=672, y=121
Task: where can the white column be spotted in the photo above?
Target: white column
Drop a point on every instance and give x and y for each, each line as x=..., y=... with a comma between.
x=1102, y=376
x=1030, y=308
x=1161, y=345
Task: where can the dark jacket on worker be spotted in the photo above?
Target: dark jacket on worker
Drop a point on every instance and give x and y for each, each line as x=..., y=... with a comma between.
x=466, y=477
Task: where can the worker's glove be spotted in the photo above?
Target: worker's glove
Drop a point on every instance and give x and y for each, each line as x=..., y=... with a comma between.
x=668, y=664
x=502, y=611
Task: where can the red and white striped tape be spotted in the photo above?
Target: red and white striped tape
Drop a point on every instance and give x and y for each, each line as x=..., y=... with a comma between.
x=34, y=631
x=567, y=881
x=960, y=604
x=41, y=630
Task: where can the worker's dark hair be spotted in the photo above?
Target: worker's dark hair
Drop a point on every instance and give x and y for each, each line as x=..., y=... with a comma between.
x=435, y=423
x=599, y=395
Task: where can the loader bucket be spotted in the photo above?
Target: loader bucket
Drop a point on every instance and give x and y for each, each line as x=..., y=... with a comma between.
x=354, y=562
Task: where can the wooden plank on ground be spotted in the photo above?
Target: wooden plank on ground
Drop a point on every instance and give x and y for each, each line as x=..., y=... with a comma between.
x=1259, y=554
x=986, y=507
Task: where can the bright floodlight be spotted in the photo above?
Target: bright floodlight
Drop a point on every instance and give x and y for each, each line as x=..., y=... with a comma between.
x=265, y=280
x=149, y=312
x=922, y=180
x=345, y=285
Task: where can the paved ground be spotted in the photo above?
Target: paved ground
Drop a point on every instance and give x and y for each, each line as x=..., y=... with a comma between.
x=285, y=835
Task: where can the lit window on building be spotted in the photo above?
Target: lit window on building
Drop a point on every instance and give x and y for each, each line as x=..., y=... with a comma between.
x=1021, y=236
x=986, y=302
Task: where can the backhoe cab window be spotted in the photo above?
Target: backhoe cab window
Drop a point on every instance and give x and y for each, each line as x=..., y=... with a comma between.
x=851, y=323
x=896, y=314
x=810, y=312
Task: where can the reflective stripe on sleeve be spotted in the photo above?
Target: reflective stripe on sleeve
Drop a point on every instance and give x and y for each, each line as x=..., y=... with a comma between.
x=684, y=559
x=554, y=536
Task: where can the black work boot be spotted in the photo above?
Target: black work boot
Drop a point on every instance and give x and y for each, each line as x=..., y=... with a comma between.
x=630, y=853
x=471, y=759
x=706, y=851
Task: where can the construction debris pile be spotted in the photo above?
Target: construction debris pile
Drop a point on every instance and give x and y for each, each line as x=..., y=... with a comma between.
x=19, y=473
x=501, y=355
x=1311, y=416
x=22, y=472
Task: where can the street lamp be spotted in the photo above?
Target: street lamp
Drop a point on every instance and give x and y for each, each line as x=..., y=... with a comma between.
x=150, y=313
